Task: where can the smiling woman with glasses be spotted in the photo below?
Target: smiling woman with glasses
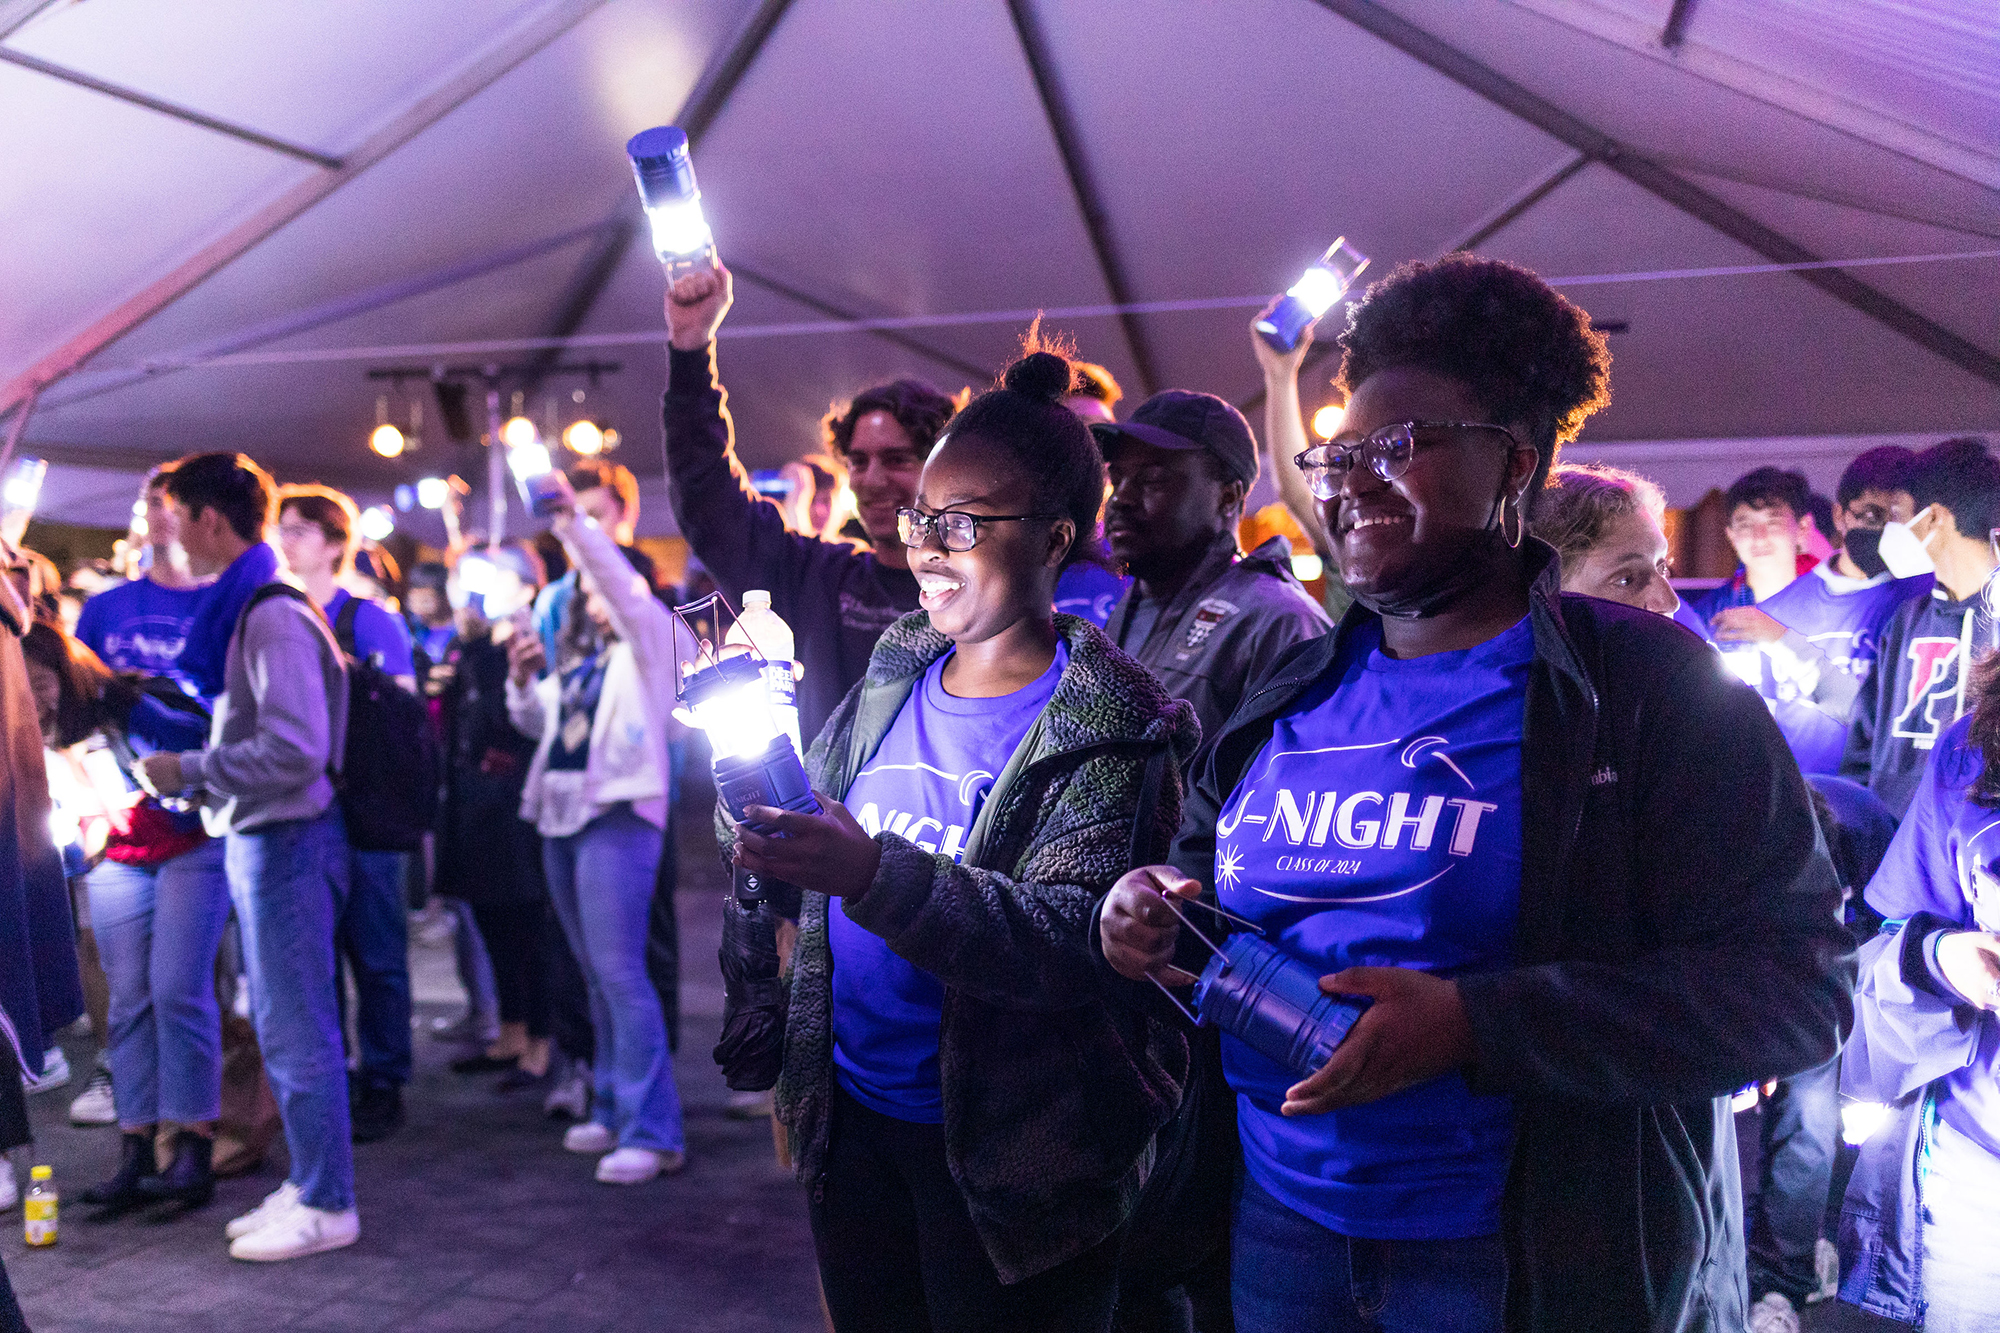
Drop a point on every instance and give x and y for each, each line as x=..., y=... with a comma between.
x=969, y=1101
x=1569, y=866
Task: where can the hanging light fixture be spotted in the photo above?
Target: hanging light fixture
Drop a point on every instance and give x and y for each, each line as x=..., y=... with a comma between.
x=386, y=439
x=1326, y=421
x=584, y=437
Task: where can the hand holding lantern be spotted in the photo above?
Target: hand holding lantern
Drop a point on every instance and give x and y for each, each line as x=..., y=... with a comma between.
x=1311, y=296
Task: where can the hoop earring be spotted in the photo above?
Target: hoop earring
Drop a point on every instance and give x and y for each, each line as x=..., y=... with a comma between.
x=1520, y=525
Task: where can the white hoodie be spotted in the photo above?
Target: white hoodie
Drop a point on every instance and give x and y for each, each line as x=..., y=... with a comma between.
x=628, y=733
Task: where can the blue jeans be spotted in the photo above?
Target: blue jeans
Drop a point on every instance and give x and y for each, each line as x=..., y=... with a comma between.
x=1797, y=1129
x=288, y=880
x=1292, y=1275
x=601, y=882
x=158, y=928
x=374, y=937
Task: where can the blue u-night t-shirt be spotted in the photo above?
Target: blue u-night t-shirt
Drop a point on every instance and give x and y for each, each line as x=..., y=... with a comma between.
x=139, y=626
x=1090, y=591
x=925, y=782
x=1381, y=827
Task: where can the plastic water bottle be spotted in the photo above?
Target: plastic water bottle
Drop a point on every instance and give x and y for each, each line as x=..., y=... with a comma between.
x=39, y=1208
x=761, y=628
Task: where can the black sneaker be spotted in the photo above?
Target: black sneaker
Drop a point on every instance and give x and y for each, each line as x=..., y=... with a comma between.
x=377, y=1112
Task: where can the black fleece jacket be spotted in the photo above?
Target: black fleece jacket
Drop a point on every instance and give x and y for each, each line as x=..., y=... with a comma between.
x=837, y=599
x=1678, y=938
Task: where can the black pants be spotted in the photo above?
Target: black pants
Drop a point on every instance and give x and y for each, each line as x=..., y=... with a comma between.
x=898, y=1254
x=517, y=935
x=569, y=996
x=663, y=935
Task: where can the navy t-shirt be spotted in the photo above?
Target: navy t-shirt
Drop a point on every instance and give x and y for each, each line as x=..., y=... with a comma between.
x=1381, y=827
x=926, y=782
x=379, y=634
x=139, y=626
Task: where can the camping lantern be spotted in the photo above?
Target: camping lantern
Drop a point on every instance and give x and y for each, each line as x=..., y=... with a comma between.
x=1269, y=1002
x=754, y=760
x=1312, y=295
x=665, y=172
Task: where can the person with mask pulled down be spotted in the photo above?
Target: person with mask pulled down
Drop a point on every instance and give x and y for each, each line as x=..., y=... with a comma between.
x=1817, y=636
x=1567, y=863
x=1920, y=685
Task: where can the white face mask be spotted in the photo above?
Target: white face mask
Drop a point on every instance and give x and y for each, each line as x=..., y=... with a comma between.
x=1904, y=552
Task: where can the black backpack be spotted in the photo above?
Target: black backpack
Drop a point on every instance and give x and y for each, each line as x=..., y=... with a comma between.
x=394, y=760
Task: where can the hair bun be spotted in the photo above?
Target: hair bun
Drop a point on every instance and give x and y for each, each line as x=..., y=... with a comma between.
x=1044, y=376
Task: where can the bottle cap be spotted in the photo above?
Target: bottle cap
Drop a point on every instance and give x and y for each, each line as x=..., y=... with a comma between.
x=756, y=597
x=41, y=1173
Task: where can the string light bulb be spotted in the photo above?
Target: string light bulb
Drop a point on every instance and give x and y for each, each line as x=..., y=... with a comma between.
x=1326, y=421
x=519, y=433
x=386, y=439
x=584, y=437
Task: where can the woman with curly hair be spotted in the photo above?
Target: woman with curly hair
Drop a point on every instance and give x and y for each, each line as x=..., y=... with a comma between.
x=1605, y=525
x=1568, y=866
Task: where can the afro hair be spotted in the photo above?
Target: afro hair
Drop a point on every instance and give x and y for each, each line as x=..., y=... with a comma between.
x=1525, y=352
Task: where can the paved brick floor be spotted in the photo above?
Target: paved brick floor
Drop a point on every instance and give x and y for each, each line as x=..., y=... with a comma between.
x=473, y=1217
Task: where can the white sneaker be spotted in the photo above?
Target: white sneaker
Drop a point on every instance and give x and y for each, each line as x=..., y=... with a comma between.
x=280, y=1200
x=1773, y=1314
x=94, y=1105
x=55, y=1073
x=589, y=1137
x=298, y=1232
x=10, y=1190
x=1826, y=1266
x=636, y=1166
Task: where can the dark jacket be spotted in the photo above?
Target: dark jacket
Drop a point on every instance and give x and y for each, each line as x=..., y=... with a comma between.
x=1915, y=692
x=1234, y=617
x=1677, y=939
x=1053, y=1090
x=837, y=599
x=486, y=853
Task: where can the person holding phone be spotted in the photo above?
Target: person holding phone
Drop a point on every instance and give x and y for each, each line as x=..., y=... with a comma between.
x=597, y=790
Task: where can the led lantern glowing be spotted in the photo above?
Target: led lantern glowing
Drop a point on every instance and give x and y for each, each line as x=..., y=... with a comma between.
x=21, y=489
x=754, y=759
x=1312, y=295
x=535, y=474
x=584, y=437
x=432, y=492
x=377, y=524
x=665, y=174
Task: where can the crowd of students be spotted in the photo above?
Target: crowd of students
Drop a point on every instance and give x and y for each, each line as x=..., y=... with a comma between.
x=1486, y=787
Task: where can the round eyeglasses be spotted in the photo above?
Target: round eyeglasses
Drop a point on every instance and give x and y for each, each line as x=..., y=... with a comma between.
x=958, y=530
x=1387, y=452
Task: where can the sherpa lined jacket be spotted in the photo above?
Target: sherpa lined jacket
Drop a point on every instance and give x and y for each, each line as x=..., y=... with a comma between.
x=1053, y=1088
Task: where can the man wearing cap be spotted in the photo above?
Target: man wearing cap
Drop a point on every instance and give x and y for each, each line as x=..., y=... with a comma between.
x=1200, y=615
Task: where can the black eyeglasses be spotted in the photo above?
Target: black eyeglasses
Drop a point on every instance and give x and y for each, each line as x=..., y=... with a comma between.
x=1387, y=452
x=958, y=530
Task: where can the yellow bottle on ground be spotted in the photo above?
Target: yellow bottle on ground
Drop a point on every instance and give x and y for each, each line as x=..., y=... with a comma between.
x=39, y=1208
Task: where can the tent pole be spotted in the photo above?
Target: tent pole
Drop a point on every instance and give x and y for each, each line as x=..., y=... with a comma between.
x=543, y=26
x=1089, y=199
x=1663, y=184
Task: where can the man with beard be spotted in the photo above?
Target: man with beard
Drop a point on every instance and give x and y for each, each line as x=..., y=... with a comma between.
x=1200, y=615
x=836, y=599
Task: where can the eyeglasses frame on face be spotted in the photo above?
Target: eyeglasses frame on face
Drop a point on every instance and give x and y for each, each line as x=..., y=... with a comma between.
x=1354, y=451
x=922, y=525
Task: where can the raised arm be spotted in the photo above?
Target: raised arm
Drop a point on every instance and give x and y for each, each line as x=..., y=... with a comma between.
x=1285, y=431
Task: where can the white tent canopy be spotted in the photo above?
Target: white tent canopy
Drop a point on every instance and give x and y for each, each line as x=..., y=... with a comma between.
x=221, y=215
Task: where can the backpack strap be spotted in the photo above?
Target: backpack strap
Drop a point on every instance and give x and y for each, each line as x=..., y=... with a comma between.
x=280, y=588
x=343, y=625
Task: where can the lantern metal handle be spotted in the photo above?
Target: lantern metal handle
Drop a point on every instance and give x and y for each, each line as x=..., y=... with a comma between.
x=1213, y=947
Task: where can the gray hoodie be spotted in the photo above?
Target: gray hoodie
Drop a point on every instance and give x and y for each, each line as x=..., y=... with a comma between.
x=280, y=723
